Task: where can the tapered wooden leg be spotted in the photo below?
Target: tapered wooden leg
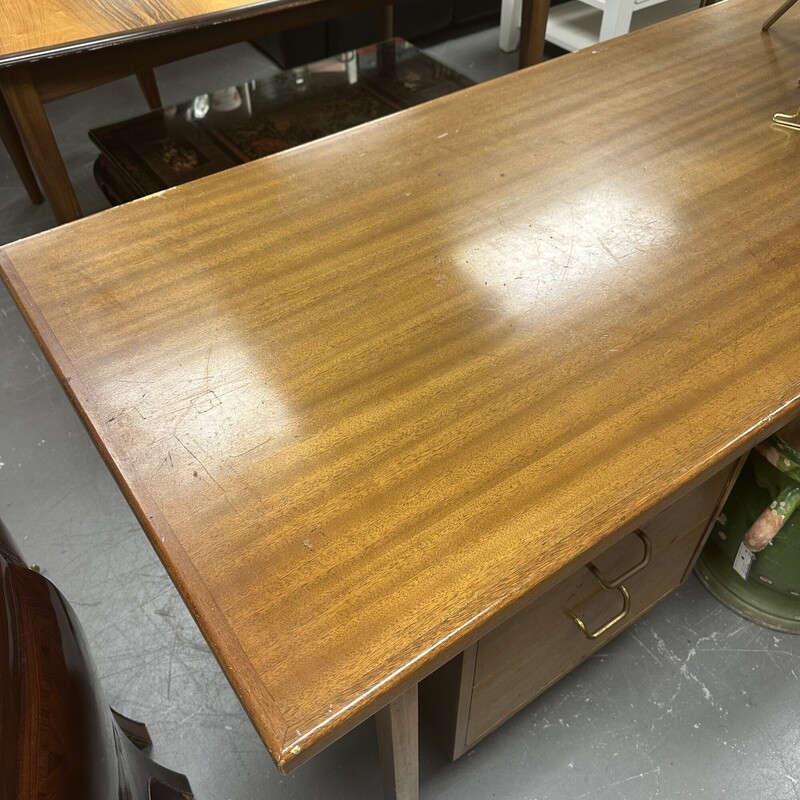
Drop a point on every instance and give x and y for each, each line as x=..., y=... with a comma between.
x=398, y=747
x=387, y=23
x=149, y=87
x=19, y=158
x=34, y=129
x=532, y=32
x=777, y=15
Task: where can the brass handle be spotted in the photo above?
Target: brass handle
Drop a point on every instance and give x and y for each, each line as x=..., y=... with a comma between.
x=626, y=607
x=618, y=581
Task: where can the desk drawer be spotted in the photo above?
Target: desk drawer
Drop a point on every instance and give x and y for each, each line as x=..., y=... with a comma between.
x=521, y=658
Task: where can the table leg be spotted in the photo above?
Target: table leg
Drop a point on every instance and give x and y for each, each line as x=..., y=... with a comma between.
x=777, y=15
x=149, y=87
x=34, y=128
x=398, y=747
x=532, y=31
x=19, y=158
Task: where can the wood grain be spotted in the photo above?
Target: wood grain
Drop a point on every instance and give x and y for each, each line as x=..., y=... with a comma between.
x=533, y=28
x=59, y=738
x=369, y=397
x=86, y=66
x=44, y=28
x=520, y=659
x=30, y=118
x=96, y=42
x=538, y=645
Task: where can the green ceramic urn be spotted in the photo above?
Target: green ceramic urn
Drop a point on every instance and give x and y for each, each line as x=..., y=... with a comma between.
x=751, y=562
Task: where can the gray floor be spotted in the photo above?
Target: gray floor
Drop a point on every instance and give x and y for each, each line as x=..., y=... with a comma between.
x=691, y=702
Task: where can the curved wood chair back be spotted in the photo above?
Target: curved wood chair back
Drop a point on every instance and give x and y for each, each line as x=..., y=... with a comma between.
x=58, y=738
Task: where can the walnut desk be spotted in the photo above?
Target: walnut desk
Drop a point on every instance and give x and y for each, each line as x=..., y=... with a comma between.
x=56, y=48
x=372, y=398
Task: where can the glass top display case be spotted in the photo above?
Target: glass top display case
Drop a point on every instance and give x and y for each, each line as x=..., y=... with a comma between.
x=230, y=126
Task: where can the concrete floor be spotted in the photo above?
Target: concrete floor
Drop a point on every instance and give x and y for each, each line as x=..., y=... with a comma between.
x=691, y=702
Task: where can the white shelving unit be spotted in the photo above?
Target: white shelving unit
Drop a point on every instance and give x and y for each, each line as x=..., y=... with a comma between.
x=582, y=23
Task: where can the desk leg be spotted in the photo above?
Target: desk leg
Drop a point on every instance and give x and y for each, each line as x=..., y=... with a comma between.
x=34, y=128
x=149, y=87
x=532, y=31
x=398, y=746
x=19, y=158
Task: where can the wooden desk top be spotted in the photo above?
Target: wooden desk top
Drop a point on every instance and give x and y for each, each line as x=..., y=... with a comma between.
x=35, y=29
x=368, y=396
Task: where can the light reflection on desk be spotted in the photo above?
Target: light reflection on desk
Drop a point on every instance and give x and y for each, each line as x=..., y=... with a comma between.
x=543, y=261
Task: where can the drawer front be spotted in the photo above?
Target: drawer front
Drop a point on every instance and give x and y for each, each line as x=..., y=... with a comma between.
x=525, y=655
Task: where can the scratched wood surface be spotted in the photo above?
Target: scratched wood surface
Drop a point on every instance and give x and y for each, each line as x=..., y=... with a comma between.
x=53, y=26
x=369, y=396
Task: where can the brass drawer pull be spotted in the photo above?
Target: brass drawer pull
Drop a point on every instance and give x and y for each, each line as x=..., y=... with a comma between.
x=626, y=607
x=617, y=582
